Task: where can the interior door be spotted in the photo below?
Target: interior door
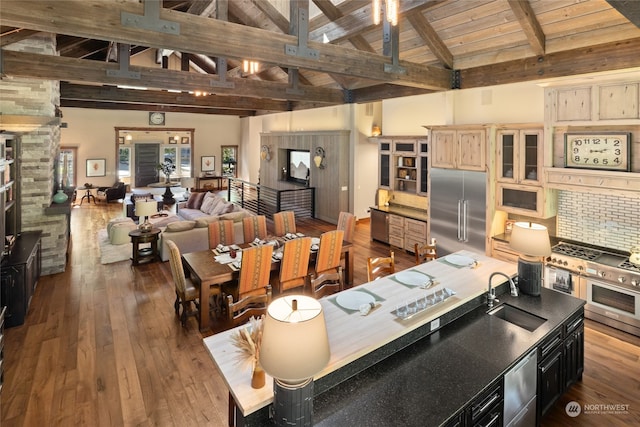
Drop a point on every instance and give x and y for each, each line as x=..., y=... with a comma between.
x=146, y=162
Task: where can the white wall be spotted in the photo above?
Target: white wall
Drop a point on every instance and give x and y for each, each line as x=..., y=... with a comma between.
x=92, y=131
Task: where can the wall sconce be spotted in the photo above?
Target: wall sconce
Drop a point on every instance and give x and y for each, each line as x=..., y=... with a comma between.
x=129, y=137
x=265, y=154
x=376, y=131
x=318, y=159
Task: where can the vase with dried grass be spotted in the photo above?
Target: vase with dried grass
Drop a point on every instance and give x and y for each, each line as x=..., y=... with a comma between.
x=248, y=340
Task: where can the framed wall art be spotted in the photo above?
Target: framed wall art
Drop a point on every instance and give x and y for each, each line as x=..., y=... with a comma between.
x=207, y=163
x=173, y=140
x=96, y=167
x=121, y=139
x=185, y=140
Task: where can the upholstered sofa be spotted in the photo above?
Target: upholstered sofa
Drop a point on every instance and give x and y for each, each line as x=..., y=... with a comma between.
x=191, y=233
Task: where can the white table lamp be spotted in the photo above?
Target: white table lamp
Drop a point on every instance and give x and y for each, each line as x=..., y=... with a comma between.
x=295, y=347
x=146, y=209
x=532, y=241
x=187, y=183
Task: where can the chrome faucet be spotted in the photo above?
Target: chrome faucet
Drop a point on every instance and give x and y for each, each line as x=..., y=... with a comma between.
x=491, y=292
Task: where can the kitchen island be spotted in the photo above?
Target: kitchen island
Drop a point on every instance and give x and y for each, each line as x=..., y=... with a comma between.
x=420, y=371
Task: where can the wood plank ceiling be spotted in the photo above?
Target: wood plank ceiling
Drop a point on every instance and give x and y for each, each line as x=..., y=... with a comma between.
x=330, y=52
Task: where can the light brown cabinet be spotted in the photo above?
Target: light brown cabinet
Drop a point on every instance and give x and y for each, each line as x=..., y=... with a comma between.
x=396, y=230
x=519, y=157
x=608, y=101
x=403, y=164
x=458, y=148
x=502, y=251
x=414, y=232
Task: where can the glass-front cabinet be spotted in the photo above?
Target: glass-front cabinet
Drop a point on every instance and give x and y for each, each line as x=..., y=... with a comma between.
x=519, y=172
x=384, y=164
x=519, y=156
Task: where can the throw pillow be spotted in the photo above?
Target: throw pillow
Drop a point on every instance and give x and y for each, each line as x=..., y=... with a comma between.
x=209, y=203
x=222, y=208
x=195, y=200
x=141, y=196
x=180, y=226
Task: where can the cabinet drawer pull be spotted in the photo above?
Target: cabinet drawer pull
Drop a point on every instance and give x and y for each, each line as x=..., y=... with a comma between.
x=547, y=348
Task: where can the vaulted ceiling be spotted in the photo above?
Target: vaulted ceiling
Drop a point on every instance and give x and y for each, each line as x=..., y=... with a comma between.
x=311, y=54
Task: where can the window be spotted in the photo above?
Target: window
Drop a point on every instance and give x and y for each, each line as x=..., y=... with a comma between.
x=185, y=161
x=229, y=160
x=66, y=167
x=124, y=162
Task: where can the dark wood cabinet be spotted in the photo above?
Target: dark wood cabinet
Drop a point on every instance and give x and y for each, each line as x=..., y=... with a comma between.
x=20, y=274
x=550, y=381
x=574, y=352
x=562, y=362
x=486, y=409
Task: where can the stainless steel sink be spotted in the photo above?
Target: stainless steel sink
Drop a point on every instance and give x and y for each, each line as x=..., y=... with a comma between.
x=518, y=317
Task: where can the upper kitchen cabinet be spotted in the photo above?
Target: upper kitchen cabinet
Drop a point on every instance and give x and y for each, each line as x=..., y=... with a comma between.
x=606, y=102
x=455, y=147
x=404, y=164
x=519, y=155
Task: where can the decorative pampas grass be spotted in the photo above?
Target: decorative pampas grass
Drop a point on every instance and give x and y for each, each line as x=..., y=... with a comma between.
x=248, y=340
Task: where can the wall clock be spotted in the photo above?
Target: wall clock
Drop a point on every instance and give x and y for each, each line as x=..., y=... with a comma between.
x=601, y=150
x=156, y=118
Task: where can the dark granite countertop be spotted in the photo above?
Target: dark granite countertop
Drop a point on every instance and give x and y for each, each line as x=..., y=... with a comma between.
x=431, y=380
x=419, y=214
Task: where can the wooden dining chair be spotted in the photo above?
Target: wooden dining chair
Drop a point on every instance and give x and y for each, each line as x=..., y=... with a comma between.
x=253, y=293
x=380, y=266
x=425, y=253
x=347, y=223
x=326, y=283
x=294, y=264
x=329, y=252
x=221, y=233
x=254, y=226
x=284, y=222
x=186, y=292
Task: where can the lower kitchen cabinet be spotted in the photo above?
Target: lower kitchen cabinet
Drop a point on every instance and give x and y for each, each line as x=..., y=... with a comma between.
x=414, y=232
x=562, y=362
x=20, y=274
x=396, y=230
x=486, y=409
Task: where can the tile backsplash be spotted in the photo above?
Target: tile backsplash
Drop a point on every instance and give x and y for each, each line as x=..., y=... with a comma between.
x=610, y=221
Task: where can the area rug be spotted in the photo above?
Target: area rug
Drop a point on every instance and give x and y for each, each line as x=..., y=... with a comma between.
x=112, y=253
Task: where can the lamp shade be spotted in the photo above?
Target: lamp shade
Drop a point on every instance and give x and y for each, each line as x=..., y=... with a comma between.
x=144, y=208
x=530, y=239
x=187, y=182
x=295, y=345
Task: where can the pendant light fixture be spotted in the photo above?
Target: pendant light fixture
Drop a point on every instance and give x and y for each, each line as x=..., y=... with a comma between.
x=390, y=9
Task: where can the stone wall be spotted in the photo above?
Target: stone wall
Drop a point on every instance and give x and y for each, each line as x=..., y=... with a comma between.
x=39, y=148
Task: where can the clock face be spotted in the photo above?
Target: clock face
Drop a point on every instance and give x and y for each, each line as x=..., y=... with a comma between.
x=156, y=118
x=606, y=151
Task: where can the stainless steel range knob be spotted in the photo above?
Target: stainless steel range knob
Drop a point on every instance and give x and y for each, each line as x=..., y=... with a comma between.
x=601, y=273
x=635, y=282
x=565, y=263
x=622, y=279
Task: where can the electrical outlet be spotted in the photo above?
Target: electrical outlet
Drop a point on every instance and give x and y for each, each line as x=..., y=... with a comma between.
x=435, y=324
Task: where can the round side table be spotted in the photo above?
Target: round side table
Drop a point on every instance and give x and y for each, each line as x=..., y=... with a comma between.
x=143, y=255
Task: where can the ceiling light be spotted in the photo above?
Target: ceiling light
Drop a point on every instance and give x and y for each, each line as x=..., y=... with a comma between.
x=389, y=8
x=250, y=67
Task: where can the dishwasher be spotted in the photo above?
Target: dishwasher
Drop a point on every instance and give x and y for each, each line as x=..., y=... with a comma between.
x=520, y=392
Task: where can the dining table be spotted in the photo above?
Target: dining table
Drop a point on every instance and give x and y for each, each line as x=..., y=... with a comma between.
x=206, y=273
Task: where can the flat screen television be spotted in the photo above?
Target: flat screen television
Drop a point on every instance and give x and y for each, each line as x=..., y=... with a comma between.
x=299, y=162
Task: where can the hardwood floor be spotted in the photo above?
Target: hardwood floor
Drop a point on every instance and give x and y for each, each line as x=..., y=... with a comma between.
x=101, y=346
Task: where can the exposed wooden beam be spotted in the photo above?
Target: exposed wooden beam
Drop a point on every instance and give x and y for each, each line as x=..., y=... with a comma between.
x=202, y=35
x=630, y=9
x=431, y=38
x=273, y=15
x=70, y=91
x=16, y=36
x=530, y=25
x=152, y=107
x=30, y=65
x=385, y=91
x=604, y=57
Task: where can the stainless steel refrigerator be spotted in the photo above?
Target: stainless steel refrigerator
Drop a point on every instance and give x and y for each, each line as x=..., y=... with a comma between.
x=458, y=210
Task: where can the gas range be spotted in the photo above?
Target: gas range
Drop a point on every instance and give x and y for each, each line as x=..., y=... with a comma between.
x=597, y=262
